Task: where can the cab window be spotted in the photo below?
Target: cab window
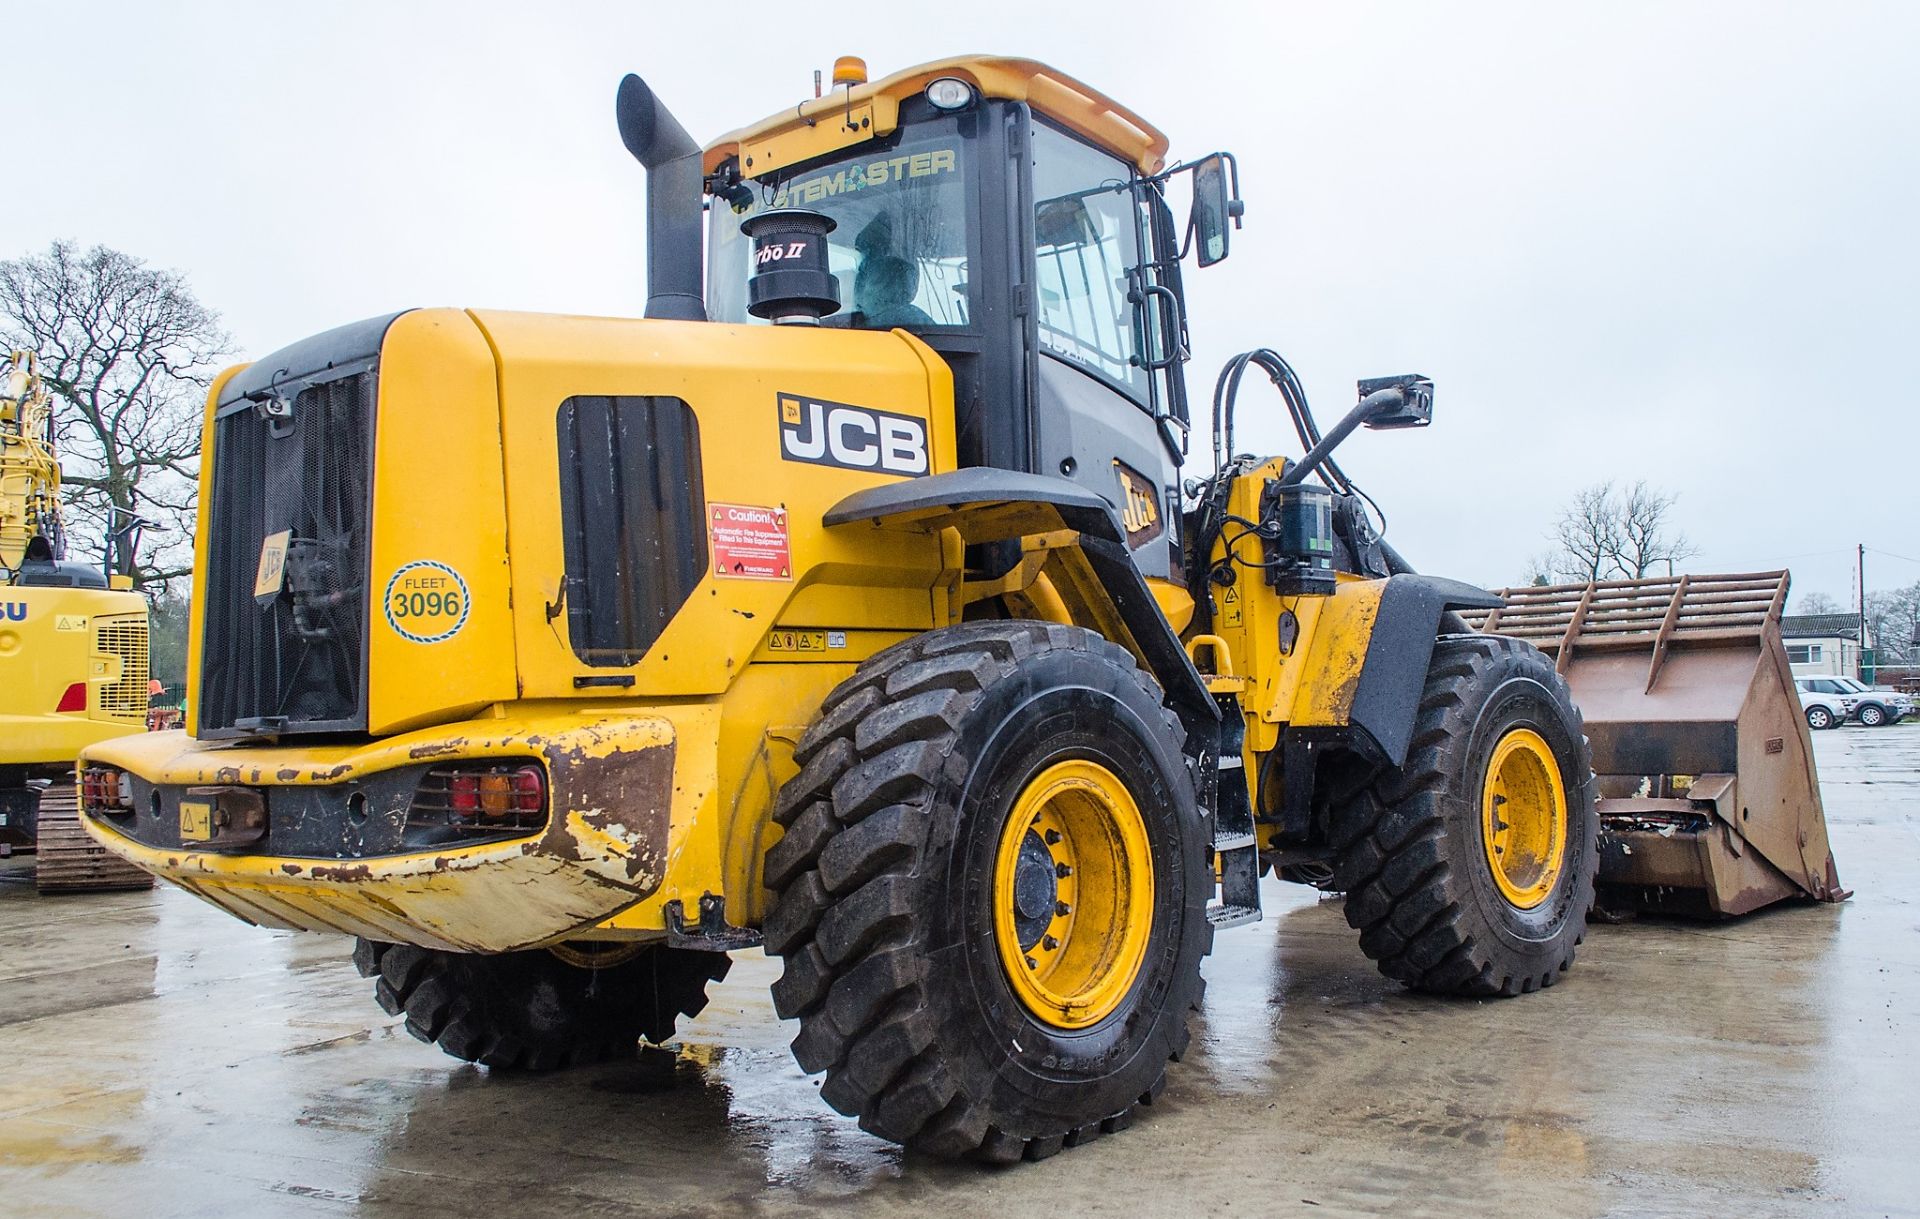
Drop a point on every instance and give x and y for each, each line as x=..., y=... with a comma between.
x=1086, y=248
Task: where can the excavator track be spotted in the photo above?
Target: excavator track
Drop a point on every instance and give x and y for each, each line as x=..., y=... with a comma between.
x=70, y=861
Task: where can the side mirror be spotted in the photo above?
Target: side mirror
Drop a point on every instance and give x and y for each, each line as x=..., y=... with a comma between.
x=1215, y=202
x=1415, y=408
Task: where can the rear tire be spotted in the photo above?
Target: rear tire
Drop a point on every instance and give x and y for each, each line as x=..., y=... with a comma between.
x=905, y=830
x=1819, y=718
x=1417, y=848
x=533, y=1011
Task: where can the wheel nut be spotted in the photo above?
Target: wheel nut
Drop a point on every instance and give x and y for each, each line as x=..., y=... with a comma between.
x=1062, y=871
x=1053, y=836
x=1050, y=943
x=1061, y=909
x=1032, y=964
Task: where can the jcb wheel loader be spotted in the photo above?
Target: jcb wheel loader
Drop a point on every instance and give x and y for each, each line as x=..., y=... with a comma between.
x=850, y=604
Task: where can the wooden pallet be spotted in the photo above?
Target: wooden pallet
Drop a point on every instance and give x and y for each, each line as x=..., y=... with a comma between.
x=71, y=862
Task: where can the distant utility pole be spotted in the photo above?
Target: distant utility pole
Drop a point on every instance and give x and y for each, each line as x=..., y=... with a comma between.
x=1860, y=574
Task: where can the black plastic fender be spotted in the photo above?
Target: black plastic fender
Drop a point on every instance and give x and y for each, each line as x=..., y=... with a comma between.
x=1387, y=697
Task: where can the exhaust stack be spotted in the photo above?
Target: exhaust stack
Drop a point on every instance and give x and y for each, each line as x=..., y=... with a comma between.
x=672, y=160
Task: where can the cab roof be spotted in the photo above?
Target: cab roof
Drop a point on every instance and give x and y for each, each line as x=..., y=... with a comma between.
x=847, y=116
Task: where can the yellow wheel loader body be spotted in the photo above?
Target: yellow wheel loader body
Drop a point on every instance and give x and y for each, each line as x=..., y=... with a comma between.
x=661, y=771
x=854, y=603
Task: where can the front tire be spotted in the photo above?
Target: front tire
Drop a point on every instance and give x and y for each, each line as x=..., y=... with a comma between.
x=991, y=892
x=534, y=1010
x=1470, y=869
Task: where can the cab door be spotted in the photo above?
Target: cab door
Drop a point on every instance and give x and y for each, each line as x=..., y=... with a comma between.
x=1104, y=379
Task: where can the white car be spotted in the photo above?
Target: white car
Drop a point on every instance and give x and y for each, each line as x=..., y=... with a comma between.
x=1823, y=710
x=1873, y=708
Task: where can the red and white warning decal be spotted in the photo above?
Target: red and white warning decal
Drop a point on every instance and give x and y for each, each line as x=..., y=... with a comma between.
x=749, y=543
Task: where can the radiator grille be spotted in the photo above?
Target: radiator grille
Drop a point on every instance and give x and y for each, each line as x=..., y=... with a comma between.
x=290, y=657
x=127, y=639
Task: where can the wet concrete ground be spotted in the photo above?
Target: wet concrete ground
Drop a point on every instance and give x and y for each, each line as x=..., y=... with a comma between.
x=161, y=1059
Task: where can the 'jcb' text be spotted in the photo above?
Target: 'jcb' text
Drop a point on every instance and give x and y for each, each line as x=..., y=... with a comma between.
x=851, y=437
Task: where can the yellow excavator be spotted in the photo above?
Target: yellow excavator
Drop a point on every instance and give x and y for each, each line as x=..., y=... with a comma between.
x=73, y=653
x=855, y=604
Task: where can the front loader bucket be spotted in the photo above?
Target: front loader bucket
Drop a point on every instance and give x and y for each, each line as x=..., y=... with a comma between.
x=1709, y=803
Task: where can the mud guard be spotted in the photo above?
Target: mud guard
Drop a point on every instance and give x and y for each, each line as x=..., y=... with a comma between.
x=988, y=505
x=1387, y=697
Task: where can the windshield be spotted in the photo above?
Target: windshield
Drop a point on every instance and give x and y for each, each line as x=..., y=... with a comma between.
x=900, y=241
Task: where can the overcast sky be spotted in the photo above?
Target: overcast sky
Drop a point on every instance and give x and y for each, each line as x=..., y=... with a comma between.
x=1627, y=240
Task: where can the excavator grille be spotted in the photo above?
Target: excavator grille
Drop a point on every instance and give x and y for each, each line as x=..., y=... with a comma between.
x=125, y=638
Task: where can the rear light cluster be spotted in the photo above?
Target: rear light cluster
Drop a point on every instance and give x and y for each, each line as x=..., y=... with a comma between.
x=483, y=798
x=105, y=790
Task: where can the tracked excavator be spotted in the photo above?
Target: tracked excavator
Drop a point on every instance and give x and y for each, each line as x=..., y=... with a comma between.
x=856, y=604
x=73, y=654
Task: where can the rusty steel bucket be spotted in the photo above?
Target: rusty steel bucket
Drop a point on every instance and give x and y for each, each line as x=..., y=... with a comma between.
x=1709, y=802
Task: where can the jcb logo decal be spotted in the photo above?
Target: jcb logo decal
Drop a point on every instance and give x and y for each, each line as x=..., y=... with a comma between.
x=1139, y=506
x=851, y=437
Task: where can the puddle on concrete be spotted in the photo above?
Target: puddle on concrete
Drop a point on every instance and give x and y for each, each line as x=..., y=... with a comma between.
x=184, y=1064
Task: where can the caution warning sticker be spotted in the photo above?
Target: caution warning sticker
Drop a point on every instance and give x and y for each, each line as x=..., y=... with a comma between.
x=750, y=543
x=1230, y=611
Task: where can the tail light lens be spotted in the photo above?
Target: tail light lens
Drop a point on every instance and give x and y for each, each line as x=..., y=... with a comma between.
x=481, y=798
x=75, y=699
x=105, y=790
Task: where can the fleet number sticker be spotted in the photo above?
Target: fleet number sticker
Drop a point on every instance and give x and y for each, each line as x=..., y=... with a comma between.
x=750, y=543
x=427, y=602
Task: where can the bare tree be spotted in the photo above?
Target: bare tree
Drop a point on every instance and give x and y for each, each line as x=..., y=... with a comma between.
x=1893, y=623
x=1588, y=533
x=1816, y=603
x=1614, y=533
x=1646, y=536
x=128, y=352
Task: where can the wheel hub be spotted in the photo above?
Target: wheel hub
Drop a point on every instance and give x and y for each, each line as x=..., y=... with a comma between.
x=1035, y=889
x=1524, y=818
x=1073, y=894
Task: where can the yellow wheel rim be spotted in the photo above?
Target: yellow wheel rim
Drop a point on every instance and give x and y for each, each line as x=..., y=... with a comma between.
x=1523, y=811
x=1073, y=894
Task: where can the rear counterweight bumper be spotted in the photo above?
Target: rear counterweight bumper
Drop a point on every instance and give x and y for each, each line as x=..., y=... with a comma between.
x=603, y=847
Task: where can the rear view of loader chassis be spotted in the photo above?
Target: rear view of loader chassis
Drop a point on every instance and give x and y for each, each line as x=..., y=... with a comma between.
x=1052, y=734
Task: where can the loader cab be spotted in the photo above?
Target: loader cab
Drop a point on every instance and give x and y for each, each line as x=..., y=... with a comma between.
x=1040, y=263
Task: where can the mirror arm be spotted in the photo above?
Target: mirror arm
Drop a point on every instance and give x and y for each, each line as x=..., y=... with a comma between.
x=1236, y=206
x=1379, y=401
